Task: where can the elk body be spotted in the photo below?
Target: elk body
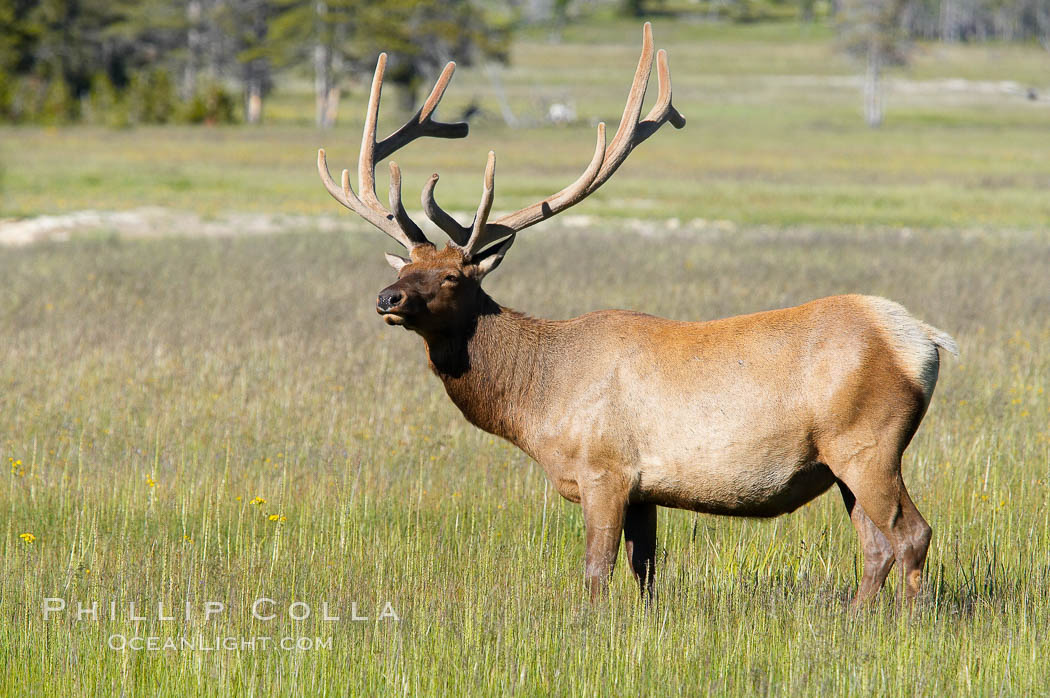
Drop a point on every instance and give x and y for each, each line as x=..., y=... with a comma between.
x=747, y=416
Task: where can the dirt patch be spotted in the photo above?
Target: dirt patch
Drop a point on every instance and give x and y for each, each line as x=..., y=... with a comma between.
x=161, y=222
x=156, y=222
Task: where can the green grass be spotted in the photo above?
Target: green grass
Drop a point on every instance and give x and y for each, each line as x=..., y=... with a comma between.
x=774, y=136
x=151, y=389
x=255, y=367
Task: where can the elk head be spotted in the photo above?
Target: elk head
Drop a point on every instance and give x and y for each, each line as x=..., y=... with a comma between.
x=436, y=289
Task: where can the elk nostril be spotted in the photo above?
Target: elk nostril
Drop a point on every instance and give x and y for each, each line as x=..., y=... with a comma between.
x=389, y=299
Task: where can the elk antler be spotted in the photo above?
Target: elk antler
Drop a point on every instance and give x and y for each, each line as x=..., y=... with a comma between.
x=606, y=160
x=473, y=238
x=394, y=222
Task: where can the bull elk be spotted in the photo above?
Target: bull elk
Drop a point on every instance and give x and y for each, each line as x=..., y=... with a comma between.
x=747, y=416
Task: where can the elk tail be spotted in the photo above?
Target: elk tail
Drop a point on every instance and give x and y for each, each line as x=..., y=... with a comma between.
x=941, y=339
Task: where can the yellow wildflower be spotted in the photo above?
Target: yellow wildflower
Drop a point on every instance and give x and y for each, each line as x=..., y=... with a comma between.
x=28, y=538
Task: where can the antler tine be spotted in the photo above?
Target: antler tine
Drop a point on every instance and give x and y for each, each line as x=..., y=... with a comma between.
x=530, y=215
x=633, y=132
x=326, y=178
x=345, y=195
x=458, y=233
x=366, y=162
x=437, y=92
x=663, y=110
x=633, y=109
x=470, y=239
x=400, y=215
x=607, y=159
x=394, y=222
x=409, y=237
x=380, y=218
x=481, y=219
x=423, y=124
x=396, y=225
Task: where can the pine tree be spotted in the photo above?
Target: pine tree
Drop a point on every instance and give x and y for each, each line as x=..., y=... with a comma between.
x=873, y=30
x=421, y=36
x=341, y=38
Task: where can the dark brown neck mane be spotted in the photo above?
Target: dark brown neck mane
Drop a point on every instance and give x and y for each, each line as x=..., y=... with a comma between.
x=492, y=368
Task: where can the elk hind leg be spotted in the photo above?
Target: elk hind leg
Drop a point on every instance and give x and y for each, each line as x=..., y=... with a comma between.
x=876, y=550
x=918, y=535
x=879, y=489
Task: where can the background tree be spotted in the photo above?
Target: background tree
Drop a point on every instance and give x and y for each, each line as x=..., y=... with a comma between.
x=135, y=61
x=15, y=43
x=978, y=20
x=318, y=33
x=873, y=31
x=245, y=24
x=340, y=39
x=186, y=48
x=639, y=8
x=55, y=46
x=421, y=36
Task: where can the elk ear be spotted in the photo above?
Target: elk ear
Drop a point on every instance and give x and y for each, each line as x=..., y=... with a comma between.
x=489, y=259
x=395, y=261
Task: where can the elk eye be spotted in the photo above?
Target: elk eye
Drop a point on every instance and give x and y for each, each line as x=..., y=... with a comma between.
x=451, y=279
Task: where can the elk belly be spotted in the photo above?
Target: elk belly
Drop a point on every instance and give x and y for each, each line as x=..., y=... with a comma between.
x=759, y=477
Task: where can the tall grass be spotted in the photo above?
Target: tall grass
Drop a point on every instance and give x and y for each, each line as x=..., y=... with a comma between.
x=155, y=390
x=202, y=420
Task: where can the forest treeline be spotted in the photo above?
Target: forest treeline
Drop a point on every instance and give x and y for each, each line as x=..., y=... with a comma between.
x=121, y=62
x=157, y=61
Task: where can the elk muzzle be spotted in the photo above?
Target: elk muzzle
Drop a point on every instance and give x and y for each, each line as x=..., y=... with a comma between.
x=391, y=304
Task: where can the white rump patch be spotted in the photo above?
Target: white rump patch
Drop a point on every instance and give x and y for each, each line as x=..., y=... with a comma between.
x=913, y=341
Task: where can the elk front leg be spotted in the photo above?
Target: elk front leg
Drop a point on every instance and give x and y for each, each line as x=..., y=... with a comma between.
x=639, y=537
x=604, y=506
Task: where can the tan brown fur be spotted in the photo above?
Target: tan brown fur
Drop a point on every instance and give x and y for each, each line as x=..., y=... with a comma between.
x=752, y=415
x=748, y=416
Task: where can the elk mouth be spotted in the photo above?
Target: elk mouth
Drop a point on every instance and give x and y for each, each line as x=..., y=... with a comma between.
x=394, y=316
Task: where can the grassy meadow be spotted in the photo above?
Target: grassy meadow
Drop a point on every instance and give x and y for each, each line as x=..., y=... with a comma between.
x=193, y=419
x=774, y=136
